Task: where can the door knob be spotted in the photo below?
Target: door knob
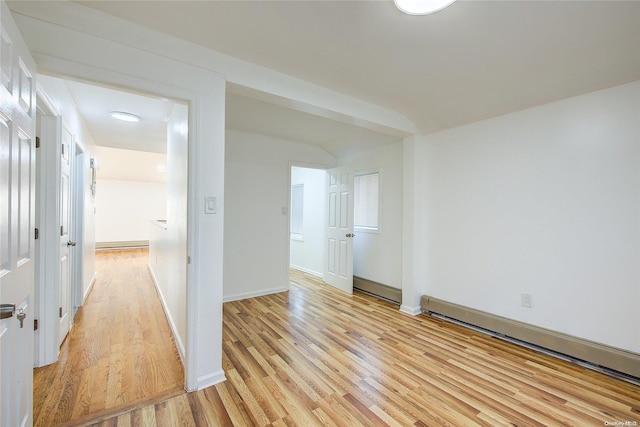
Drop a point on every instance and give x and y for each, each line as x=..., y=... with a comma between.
x=350, y=235
x=7, y=310
x=70, y=243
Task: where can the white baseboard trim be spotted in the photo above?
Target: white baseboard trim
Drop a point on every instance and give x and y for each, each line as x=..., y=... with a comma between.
x=174, y=331
x=413, y=311
x=262, y=292
x=306, y=270
x=210, y=379
x=90, y=287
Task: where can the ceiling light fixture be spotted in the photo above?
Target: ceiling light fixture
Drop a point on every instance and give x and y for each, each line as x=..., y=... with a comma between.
x=421, y=7
x=124, y=116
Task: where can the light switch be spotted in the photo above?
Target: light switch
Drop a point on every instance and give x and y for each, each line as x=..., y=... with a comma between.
x=209, y=205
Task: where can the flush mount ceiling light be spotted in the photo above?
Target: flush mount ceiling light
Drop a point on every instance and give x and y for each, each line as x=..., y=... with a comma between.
x=124, y=116
x=421, y=7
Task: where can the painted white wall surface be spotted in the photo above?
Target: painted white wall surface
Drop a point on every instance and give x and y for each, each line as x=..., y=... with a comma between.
x=130, y=165
x=377, y=255
x=256, y=244
x=308, y=254
x=59, y=95
x=168, y=246
x=545, y=201
x=124, y=209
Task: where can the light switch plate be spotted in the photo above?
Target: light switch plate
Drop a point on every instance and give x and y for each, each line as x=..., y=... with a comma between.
x=210, y=205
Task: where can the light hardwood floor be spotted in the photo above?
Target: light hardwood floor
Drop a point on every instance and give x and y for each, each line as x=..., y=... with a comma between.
x=315, y=356
x=120, y=353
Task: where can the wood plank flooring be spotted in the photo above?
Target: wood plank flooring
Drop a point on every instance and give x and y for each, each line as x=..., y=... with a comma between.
x=120, y=353
x=314, y=356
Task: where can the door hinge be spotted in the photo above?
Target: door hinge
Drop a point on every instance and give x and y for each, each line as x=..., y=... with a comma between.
x=35, y=324
x=37, y=234
x=62, y=230
x=60, y=312
x=188, y=260
x=37, y=142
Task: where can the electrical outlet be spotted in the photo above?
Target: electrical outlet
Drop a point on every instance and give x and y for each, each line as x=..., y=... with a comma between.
x=525, y=300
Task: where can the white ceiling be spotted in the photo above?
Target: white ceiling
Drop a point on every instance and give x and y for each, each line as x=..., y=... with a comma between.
x=338, y=138
x=95, y=103
x=471, y=61
x=243, y=113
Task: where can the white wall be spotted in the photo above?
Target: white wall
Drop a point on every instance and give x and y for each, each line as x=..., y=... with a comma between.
x=168, y=245
x=124, y=209
x=131, y=191
x=377, y=256
x=308, y=254
x=256, y=231
x=544, y=201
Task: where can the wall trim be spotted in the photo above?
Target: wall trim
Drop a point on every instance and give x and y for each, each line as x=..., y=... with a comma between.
x=122, y=244
x=413, y=311
x=90, y=287
x=174, y=330
x=307, y=271
x=211, y=379
x=378, y=289
x=263, y=292
x=602, y=355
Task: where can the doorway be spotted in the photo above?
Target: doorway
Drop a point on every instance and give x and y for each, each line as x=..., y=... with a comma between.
x=59, y=202
x=307, y=215
x=321, y=224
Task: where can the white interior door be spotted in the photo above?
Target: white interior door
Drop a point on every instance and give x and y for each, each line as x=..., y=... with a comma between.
x=64, y=300
x=339, y=237
x=17, y=198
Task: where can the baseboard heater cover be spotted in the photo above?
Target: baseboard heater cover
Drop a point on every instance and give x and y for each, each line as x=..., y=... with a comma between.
x=620, y=360
x=122, y=244
x=377, y=289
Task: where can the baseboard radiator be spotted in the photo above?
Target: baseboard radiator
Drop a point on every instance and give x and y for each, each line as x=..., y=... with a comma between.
x=122, y=244
x=377, y=289
x=623, y=361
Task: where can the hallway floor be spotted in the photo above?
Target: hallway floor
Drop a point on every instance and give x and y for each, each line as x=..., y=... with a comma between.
x=120, y=354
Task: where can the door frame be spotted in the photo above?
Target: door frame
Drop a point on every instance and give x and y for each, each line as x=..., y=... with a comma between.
x=47, y=265
x=306, y=165
x=203, y=91
x=77, y=231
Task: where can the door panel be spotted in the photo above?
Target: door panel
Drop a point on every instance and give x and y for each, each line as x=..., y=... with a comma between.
x=5, y=196
x=25, y=185
x=17, y=179
x=339, y=238
x=64, y=297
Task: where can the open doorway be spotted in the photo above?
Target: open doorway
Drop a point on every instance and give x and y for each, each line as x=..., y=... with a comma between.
x=67, y=122
x=321, y=224
x=307, y=220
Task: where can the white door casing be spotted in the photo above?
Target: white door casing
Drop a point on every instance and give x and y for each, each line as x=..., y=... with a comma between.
x=17, y=198
x=339, y=237
x=47, y=266
x=64, y=295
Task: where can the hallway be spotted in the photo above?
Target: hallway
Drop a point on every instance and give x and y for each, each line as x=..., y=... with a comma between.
x=120, y=353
